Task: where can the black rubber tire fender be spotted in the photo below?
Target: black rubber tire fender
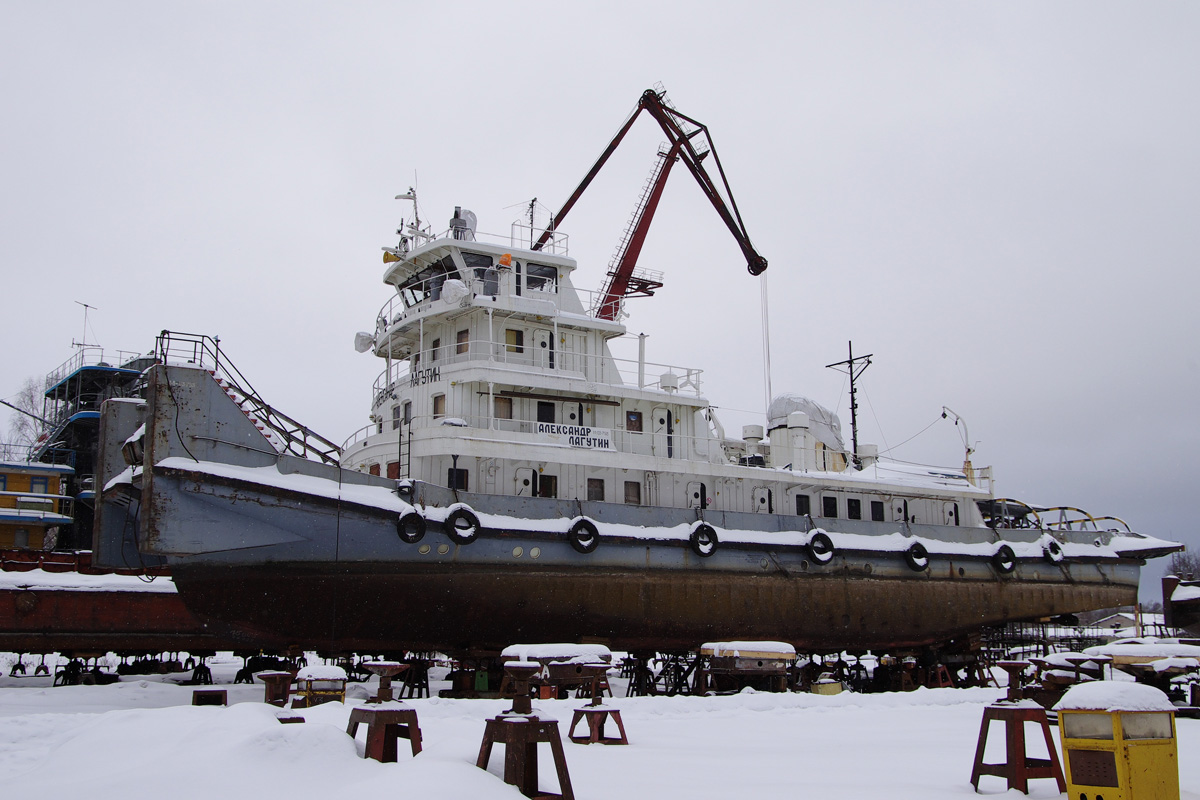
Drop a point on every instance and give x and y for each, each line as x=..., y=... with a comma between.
x=820, y=548
x=917, y=557
x=1053, y=551
x=583, y=536
x=1005, y=560
x=704, y=540
x=462, y=526
x=410, y=527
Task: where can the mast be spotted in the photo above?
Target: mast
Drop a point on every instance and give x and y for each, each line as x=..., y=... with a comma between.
x=853, y=367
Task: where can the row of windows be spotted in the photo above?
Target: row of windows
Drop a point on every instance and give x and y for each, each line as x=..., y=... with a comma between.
x=829, y=507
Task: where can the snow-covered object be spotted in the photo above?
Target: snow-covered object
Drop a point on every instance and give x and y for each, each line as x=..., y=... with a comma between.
x=823, y=424
x=1184, y=592
x=1114, y=696
x=748, y=649
x=1145, y=650
x=556, y=652
x=42, y=581
x=321, y=672
x=1179, y=664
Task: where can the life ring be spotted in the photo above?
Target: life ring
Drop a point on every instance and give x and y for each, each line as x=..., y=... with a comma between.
x=410, y=527
x=462, y=525
x=703, y=540
x=1005, y=560
x=583, y=536
x=1053, y=551
x=917, y=557
x=820, y=548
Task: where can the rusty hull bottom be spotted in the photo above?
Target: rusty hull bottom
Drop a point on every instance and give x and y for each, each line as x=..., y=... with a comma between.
x=478, y=609
x=58, y=621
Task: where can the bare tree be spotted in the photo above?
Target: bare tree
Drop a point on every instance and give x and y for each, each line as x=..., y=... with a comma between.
x=23, y=429
x=1184, y=564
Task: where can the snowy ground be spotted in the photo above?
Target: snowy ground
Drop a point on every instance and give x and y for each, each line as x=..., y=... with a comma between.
x=141, y=738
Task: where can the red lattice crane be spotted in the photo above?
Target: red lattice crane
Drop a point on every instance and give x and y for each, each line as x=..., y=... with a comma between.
x=688, y=141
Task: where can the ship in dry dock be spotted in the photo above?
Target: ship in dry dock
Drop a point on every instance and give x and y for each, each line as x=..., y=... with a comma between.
x=520, y=482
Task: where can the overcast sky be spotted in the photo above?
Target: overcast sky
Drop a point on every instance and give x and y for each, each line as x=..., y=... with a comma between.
x=998, y=200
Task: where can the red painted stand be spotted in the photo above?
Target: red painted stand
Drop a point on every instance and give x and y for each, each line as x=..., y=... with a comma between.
x=384, y=727
x=520, y=736
x=277, y=689
x=1018, y=769
x=596, y=716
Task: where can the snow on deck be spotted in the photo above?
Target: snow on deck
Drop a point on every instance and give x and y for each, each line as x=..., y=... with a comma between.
x=735, y=649
x=896, y=542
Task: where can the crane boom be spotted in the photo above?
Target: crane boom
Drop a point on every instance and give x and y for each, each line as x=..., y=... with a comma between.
x=682, y=134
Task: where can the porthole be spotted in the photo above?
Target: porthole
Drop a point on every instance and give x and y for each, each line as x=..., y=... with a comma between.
x=423, y=549
x=518, y=552
x=443, y=548
x=535, y=552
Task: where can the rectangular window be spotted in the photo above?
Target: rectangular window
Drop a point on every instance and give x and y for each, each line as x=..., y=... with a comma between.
x=633, y=421
x=433, y=350
x=373, y=469
x=829, y=506
x=853, y=508
x=502, y=409
x=547, y=486
x=439, y=405
x=803, y=505
x=514, y=341
x=393, y=470
x=456, y=479
x=3, y=483
x=39, y=485
x=545, y=411
x=596, y=490
x=395, y=417
x=407, y=411
x=877, y=511
x=541, y=277
x=633, y=493
x=462, y=342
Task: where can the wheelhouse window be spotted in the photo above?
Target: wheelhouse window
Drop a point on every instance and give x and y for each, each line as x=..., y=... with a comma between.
x=633, y=421
x=803, y=505
x=514, y=340
x=877, y=511
x=829, y=506
x=39, y=485
x=595, y=490
x=502, y=408
x=434, y=348
x=439, y=405
x=633, y=493
x=462, y=342
x=427, y=284
x=541, y=278
x=853, y=508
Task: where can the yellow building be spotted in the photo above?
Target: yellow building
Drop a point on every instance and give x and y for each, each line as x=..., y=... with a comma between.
x=32, y=504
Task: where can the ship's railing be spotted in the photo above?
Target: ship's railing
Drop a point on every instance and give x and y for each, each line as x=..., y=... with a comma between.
x=39, y=453
x=89, y=356
x=200, y=350
x=520, y=237
x=528, y=356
